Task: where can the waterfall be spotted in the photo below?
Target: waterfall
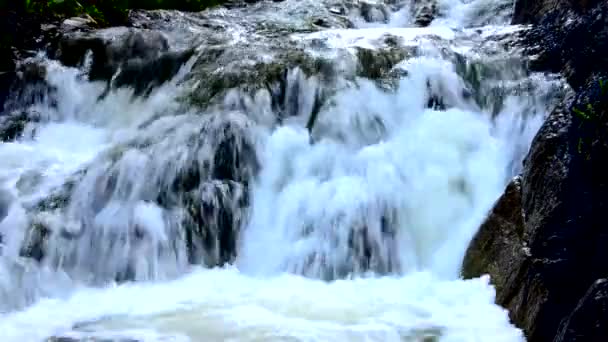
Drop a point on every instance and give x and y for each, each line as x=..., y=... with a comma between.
x=313, y=172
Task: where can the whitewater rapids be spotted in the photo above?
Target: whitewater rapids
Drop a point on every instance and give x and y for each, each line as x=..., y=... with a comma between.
x=436, y=172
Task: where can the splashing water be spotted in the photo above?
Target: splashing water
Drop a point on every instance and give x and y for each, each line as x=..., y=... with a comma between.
x=146, y=219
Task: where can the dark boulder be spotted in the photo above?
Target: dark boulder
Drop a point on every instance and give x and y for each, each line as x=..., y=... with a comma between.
x=564, y=198
x=424, y=12
x=544, y=261
x=534, y=11
x=29, y=87
x=143, y=75
x=589, y=320
x=13, y=124
x=135, y=58
x=215, y=213
x=575, y=44
x=6, y=200
x=499, y=248
x=372, y=12
x=109, y=54
x=22, y=35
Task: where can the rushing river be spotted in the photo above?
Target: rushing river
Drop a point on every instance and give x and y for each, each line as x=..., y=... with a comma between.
x=354, y=232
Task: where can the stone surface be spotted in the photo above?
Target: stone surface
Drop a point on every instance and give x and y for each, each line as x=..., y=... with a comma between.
x=6, y=200
x=563, y=197
x=424, y=12
x=21, y=36
x=499, y=248
x=562, y=42
x=589, y=320
x=534, y=11
x=564, y=187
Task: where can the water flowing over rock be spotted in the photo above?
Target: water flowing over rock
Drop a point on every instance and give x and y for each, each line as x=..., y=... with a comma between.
x=547, y=258
x=499, y=247
x=424, y=11
x=319, y=165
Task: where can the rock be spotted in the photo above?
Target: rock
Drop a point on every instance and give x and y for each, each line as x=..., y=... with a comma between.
x=83, y=23
x=29, y=87
x=589, y=320
x=564, y=187
x=12, y=124
x=110, y=48
x=377, y=64
x=499, y=248
x=374, y=13
x=186, y=204
x=145, y=75
x=123, y=57
x=564, y=198
x=29, y=181
x=530, y=11
x=424, y=12
x=224, y=72
x=6, y=200
x=561, y=43
x=22, y=35
x=35, y=243
x=215, y=214
x=533, y=12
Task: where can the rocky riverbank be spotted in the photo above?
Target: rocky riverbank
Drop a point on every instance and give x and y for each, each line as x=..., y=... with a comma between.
x=544, y=243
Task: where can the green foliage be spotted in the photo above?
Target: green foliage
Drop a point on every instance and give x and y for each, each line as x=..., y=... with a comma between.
x=592, y=117
x=110, y=12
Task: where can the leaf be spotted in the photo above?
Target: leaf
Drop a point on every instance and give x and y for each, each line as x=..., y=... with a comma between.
x=580, y=113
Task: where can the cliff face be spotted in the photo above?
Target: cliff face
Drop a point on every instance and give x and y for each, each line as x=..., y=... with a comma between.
x=534, y=11
x=545, y=243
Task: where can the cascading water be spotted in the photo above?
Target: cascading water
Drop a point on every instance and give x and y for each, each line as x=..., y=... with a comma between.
x=324, y=207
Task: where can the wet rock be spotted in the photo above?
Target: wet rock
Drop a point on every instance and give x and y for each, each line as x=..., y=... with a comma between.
x=589, y=320
x=499, y=248
x=35, y=244
x=564, y=198
x=377, y=64
x=109, y=53
x=142, y=57
x=424, y=12
x=29, y=181
x=215, y=214
x=6, y=200
x=374, y=13
x=78, y=24
x=22, y=36
x=12, y=125
x=145, y=75
x=561, y=42
x=564, y=187
x=183, y=202
x=533, y=12
x=252, y=77
x=365, y=248
x=29, y=87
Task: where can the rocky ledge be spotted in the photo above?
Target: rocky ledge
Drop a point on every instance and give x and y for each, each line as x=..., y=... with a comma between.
x=544, y=242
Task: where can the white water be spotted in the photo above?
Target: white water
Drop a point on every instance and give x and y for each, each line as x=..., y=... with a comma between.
x=427, y=176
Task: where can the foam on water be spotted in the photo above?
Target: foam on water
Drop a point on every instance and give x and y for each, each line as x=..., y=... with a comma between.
x=436, y=181
x=224, y=305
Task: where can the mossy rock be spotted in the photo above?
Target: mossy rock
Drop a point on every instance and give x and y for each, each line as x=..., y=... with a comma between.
x=251, y=77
